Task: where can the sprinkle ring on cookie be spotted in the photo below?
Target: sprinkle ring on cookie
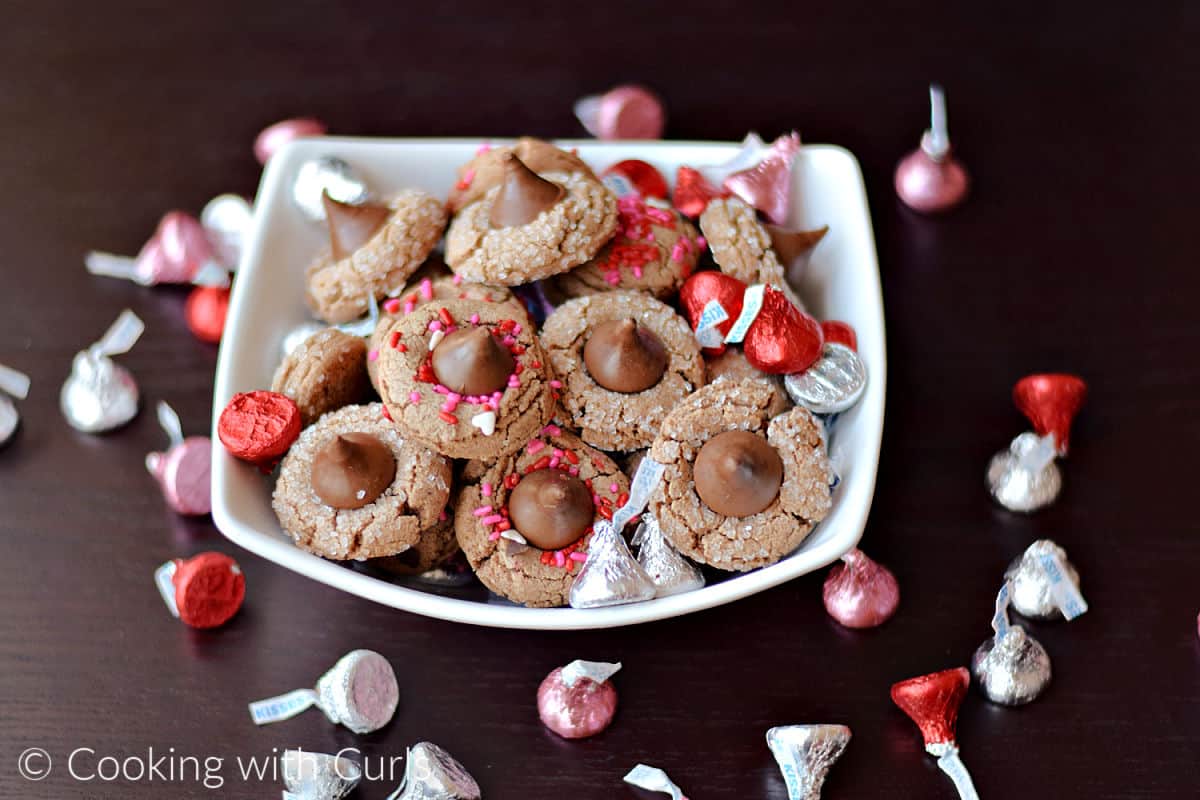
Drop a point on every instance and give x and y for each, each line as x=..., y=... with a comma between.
x=604, y=348
x=423, y=387
x=524, y=522
x=741, y=490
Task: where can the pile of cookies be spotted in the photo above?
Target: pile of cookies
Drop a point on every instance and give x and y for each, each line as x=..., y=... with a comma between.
x=514, y=381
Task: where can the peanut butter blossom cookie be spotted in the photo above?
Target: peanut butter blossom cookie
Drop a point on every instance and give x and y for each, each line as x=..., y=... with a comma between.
x=434, y=548
x=486, y=169
x=741, y=490
x=742, y=246
x=530, y=226
x=327, y=371
x=467, y=377
x=654, y=250
x=625, y=360
x=372, y=250
x=524, y=521
x=352, y=487
x=424, y=291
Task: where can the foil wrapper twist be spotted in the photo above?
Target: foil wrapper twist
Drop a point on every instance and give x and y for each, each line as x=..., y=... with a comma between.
x=669, y=571
x=318, y=776
x=653, y=779
x=832, y=385
x=1044, y=583
x=100, y=395
x=362, y=327
x=12, y=384
x=578, y=700
x=1012, y=668
x=326, y=175
x=430, y=773
x=805, y=754
x=1024, y=477
x=360, y=692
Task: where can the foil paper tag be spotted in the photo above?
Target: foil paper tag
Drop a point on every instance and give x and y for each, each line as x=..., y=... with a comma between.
x=653, y=779
x=284, y=706
x=1066, y=593
x=950, y=763
x=365, y=326
x=164, y=579
x=169, y=420
x=598, y=671
x=13, y=383
x=752, y=302
x=1000, y=618
x=644, y=482
x=120, y=336
x=712, y=315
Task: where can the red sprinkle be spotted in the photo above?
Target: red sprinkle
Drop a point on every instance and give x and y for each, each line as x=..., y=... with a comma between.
x=447, y=417
x=511, y=480
x=541, y=463
x=444, y=315
x=387, y=414
x=570, y=454
x=622, y=499
x=395, y=339
x=259, y=427
x=605, y=512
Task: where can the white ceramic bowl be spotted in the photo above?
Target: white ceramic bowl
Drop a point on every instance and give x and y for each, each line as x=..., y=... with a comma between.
x=268, y=300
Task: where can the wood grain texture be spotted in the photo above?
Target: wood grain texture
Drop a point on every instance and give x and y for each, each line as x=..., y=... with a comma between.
x=1078, y=123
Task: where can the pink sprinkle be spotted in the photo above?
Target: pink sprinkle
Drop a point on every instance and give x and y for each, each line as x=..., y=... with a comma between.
x=474, y=319
x=574, y=471
x=559, y=559
x=558, y=453
x=554, y=462
x=409, y=306
x=483, y=148
x=435, y=325
x=614, y=488
x=492, y=520
x=677, y=252
x=468, y=176
x=509, y=341
x=482, y=511
x=442, y=514
x=372, y=355
x=701, y=242
x=637, y=271
x=517, y=329
x=427, y=289
x=486, y=489
x=535, y=446
x=456, y=280
x=493, y=536
x=414, y=397
x=514, y=382
x=437, y=387
x=613, y=277
x=454, y=397
x=555, y=384
x=392, y=305
x=449, y=406
x=578, y=556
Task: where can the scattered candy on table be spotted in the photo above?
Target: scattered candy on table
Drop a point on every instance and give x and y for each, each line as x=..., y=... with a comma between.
x=624, y=112
x=203, y=591
x=100, y=395
x=13, y=384
x=318, y=776
x=1012, y=667
x=669, y=571
x=359, y=692
x=183, y=471
x=930, y=179
x=1044, y=584
x=430, y=773
x=653, y=779
x=180, y=251
x=578, y=700
x=805, y=754
x=860, y=592
x=205, y=312
x=932, y=701
x=1025, y=477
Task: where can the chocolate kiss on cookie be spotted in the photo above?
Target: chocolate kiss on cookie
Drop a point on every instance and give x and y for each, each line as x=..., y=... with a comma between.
x=471, y=362
x=737, y=473
x=623, y=356
x=523, y=195
x=794, y=247
x=350, y=227
x=551, y=508
x=352, y=470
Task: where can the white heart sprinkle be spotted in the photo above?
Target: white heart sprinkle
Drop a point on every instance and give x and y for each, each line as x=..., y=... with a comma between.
x=512, y=535
x=485, y=421
x=436, y=337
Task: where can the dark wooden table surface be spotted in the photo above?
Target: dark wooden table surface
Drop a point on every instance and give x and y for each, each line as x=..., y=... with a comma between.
x=1076, y=252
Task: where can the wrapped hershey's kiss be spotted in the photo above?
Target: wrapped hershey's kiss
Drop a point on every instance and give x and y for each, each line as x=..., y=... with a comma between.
x=1044, y=584
x=805, y=753
x=100, y=395
x=623, y=112
x=227, y=219
x=430, y=773
x=1012, y=667
x=359, y=691
x=183, y=471
x=932, y=701
x=653, y=779
x=326, y=175
x=12, y=384
x=1025, y=477
x=179, y=251
x=318, y=776
x=611, y=575
x=203, y=591
x=833, y=384
x=670, y=572
x=860, y=592
x=578, y=700
x=930, y=179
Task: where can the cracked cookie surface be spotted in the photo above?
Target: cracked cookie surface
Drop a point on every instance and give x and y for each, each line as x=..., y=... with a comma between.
x=326, y=372
x=394, y=522
x=741, y=246
x=732, y=365
x=757, y=540
x=614, y=420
